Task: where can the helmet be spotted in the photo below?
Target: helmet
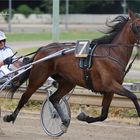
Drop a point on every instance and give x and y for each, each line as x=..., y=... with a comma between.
x=2, y=35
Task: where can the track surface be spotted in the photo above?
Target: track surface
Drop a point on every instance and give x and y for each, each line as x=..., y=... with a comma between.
x=27, y=127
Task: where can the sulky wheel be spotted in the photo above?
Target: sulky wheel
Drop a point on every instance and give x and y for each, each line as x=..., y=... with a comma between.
x=50, y=119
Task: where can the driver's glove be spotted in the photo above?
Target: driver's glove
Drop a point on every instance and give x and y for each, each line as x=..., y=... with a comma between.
x=8, y=61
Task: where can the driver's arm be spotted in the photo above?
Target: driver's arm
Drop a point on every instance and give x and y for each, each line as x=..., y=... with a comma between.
x=1, y=63
x=17, y=64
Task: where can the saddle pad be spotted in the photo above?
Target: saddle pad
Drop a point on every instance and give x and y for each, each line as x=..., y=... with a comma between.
x=82, y=48
x=87, y=61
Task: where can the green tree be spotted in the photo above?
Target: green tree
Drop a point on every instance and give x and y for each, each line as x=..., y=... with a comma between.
x=92, y=6
x=95, y=6
x=24, y=9
x=6, y=14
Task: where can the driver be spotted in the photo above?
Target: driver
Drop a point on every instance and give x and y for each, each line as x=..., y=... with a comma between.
x=5, y=56
x=6, y=59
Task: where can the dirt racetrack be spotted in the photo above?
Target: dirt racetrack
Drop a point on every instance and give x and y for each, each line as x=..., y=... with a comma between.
x=27, y=127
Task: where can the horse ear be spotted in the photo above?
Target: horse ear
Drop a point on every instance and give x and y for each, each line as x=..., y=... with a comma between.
x=131, y=14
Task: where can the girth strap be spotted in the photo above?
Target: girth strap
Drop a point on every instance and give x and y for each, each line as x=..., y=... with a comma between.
x=86, y=68
x=87, y=78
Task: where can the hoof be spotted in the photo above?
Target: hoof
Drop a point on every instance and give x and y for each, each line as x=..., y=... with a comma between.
x=65, y=124
x=64, y=128
x=82, y=116
x=8, y=118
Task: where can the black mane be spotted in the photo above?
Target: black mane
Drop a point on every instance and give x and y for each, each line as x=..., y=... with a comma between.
x=113, y=30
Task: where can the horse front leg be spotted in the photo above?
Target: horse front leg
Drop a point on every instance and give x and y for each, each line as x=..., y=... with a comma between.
x=120, y=90
x=107, y=98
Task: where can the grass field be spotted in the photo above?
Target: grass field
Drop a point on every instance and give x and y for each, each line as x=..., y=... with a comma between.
x=47, y=36
x=18, y=37
x=25, y=51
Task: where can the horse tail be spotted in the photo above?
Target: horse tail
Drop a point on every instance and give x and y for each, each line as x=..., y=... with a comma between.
x=25, y=75
x=17, y=82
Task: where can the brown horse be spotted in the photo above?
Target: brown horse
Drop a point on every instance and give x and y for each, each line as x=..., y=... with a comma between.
x=106, y=74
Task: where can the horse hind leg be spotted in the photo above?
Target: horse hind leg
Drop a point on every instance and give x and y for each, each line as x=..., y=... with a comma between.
x=24, y=99
x=63, y=88
x=107, y=98
x=32, y=87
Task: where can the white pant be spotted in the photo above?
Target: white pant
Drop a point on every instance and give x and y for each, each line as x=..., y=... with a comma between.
x=4, y=70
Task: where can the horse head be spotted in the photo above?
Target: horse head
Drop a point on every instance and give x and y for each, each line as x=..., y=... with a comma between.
x=135, y=25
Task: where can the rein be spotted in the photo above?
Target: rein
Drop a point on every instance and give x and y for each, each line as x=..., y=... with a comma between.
x=30, y=53
x=130, y=65
x=65, y=43
x=16, y=59
x=135, y=29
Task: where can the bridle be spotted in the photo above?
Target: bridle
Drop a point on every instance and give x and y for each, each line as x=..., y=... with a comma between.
x=135, y=28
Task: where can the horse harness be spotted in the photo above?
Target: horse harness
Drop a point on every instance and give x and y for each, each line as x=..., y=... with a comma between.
x=85, y=64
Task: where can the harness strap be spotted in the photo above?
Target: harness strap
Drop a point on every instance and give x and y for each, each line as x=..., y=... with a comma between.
x=87, y=78
x=86, y=69
x=16, y=59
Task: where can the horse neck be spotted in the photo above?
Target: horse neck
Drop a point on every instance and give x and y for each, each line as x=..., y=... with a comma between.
x=125, y=37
